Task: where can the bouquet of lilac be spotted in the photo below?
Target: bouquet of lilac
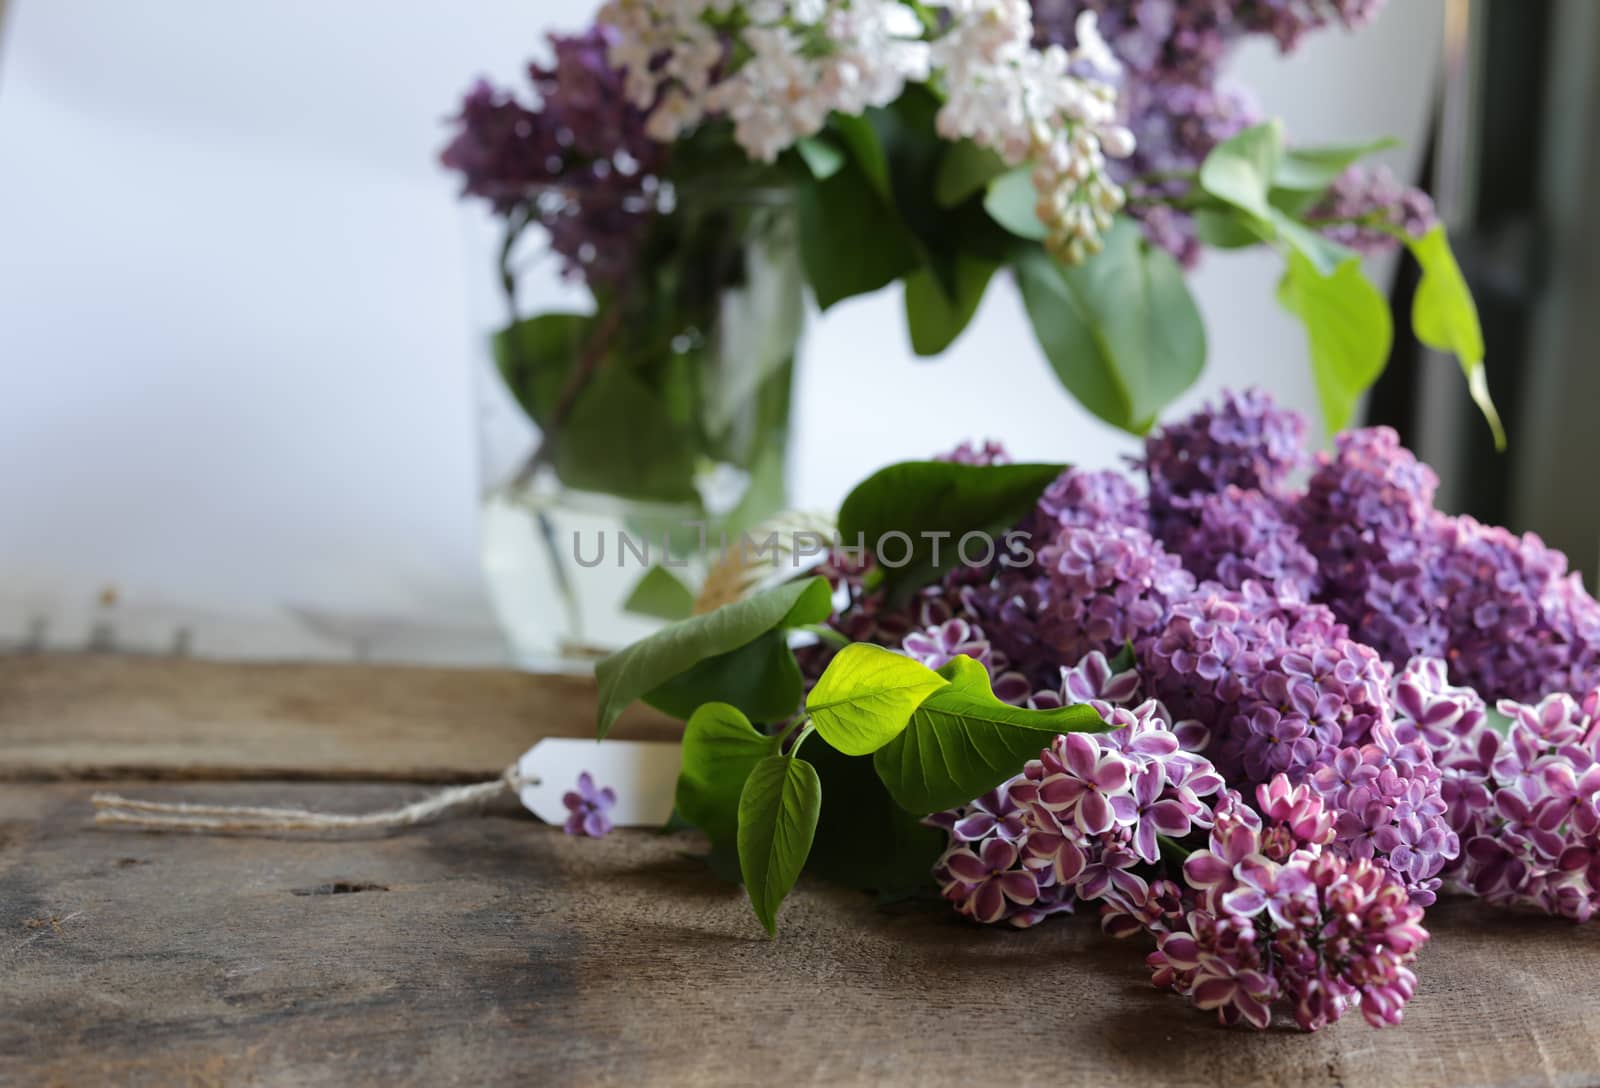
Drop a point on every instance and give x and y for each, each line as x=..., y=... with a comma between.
x=1089, y=147
x=1263, y=718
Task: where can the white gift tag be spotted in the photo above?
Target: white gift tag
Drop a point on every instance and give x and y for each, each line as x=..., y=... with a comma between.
x=644, y=775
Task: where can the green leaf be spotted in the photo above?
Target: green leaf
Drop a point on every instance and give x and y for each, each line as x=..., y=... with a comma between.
x=864, y=840
x=934, y=317
x=1444, y=317
x=851, y=241
x=1322, y=251
x=640, y=669
x=720, y=749
x=1226, y=227
x=935, y=504
x=1011, y=201
x=618, y=440
x=1348, y=325
x=535, y=355
x=1500, y=722
x=1239, y=171
x=761, y=678
x=1121, y=330
x=821, y=156
x=962, y=741
x=859, y=135
x=1313, y=169
x=659, y=594
x=965, y=169
x=778, y=811
x=866, y=696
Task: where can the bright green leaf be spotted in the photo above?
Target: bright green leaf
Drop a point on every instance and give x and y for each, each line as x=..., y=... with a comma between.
x=633, y=672
x=821, y=156
x=720, y=749
x=934, y=317
x=1226, y=228
x=1347, y=323
x=920, y=511
x=1320, y=250
x=962, y=741
x=866, y=696
x=1445, y=318
x=1313, y=169
x=1121, y=330
x=659, y=594
x=1011, y=200
x=778, y=810
x=964, y=169
x=1239, y=171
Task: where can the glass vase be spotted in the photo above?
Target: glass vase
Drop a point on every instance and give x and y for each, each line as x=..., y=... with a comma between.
x=633, y=407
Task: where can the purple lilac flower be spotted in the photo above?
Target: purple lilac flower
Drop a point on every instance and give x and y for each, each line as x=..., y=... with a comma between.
x=1105, y=588
x=1365, y=516
x=1517, y=625
x=1236, y=536
x=578, y=161
x=934, y=646
x=1244, y=440
x=1526, y=805
x=1364, y=204
x=588, y=808
x=1089, y=500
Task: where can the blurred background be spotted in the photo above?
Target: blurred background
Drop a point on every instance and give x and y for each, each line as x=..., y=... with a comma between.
x=238, y=327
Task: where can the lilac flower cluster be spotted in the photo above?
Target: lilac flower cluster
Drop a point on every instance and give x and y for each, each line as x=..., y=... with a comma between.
x=1363, y=207
x=1267, y=914
x=578, y=161
x=1314, y=663
x=1179, y=107
x=1524, y=798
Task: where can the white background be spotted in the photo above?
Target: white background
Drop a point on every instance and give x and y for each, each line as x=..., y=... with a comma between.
x=235, y=345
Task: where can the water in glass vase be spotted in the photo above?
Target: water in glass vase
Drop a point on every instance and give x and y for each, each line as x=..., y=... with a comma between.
x=621, y=432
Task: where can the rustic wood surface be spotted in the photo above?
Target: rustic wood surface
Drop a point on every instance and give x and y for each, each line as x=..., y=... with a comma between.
x=490, y=949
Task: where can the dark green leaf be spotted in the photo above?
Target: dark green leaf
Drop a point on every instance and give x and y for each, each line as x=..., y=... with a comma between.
x=535, y=356
x=866, y=696
x=618, y=440
x=924, y=499
x=1239, y=171
x=859, y=135
x=659, y=594
x=778, y=811
x=965, y=169
x=1011, y=201
x=761, y=678
x=1347, y=323
x=1445, y=318
x=633, y=672
x=864, y=840
x=962, y=741
x=1121, y=330
x=851, y=242
x=934, y=316
x=720, y=749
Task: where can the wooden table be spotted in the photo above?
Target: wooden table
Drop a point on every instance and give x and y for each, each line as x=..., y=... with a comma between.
x=489, y=949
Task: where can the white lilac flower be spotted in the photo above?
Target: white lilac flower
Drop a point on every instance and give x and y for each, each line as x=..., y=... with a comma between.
x=799, y=62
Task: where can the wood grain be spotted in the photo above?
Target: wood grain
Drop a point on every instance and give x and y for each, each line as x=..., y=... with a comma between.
x=97, y=717
x=493, y=950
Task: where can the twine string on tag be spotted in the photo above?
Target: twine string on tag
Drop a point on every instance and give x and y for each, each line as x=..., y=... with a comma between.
x=114, y=810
